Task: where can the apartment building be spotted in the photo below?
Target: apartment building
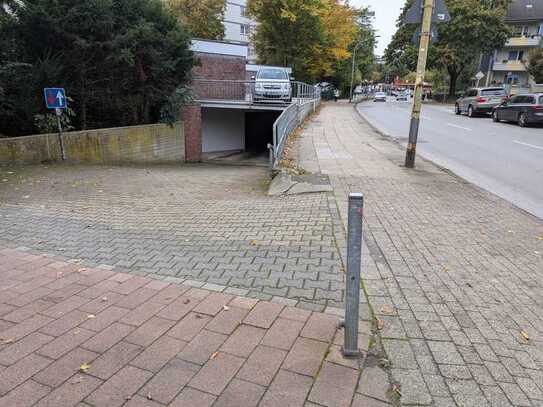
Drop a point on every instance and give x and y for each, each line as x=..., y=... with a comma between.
x=238, y=26
x=508, y=65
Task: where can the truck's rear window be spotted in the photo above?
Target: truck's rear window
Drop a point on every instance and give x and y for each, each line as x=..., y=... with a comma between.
x=493, y=92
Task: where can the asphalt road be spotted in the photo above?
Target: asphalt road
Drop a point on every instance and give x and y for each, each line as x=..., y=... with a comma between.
x=500, y=157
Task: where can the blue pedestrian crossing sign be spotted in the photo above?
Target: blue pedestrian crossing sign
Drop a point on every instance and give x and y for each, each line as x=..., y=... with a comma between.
x=55, y=98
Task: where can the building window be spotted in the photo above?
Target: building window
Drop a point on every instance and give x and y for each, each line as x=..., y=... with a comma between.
x=243, y=11
x=245, y=29
x=515, y=55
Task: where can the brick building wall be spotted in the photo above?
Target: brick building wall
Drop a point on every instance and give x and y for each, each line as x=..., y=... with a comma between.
x=217, y=66
x=192, y=121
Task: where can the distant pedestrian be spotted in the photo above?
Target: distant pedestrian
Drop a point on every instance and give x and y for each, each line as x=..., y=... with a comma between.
x=336, y=95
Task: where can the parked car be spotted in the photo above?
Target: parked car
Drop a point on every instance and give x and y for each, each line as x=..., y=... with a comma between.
x=272, y=84
x=478, y=101
x=380, y=97
x=523, y=109
x=402, y=96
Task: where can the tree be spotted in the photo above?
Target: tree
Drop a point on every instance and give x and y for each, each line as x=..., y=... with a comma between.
x=476, y=27
x=535, y=67
x=119, y=60
x=364, y=39
x=203, y=18
x=311, y=36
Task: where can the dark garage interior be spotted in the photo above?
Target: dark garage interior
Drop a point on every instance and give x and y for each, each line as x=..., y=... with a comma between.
x=259, y=130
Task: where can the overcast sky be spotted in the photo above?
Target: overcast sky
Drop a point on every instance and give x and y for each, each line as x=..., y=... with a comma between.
x=386, y=13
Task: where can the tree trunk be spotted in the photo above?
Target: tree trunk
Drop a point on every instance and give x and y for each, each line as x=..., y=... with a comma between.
x=452, y=83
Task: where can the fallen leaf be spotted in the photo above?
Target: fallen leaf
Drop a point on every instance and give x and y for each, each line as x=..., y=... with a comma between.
x=380, y=323
x=253, y=242
x=91, y=316
x=84, y=367
x=104, y=299
x=214, y=355
x=225, y=307
x=5, y=341
x=81, y=270
x=539, y=237
x=525, y=335
x=445, y=268
x=186, y=301
x=149, y=396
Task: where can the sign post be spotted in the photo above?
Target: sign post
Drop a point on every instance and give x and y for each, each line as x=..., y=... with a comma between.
x=425, y=12
x=55, y=98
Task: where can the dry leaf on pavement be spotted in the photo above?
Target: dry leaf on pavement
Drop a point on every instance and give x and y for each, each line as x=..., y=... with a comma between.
x=525, y=335
x=214, y=355
x=380, y=323
x=84, y=367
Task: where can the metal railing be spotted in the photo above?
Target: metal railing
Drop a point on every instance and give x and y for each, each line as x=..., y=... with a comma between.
x=287, y=122
x=240, y=91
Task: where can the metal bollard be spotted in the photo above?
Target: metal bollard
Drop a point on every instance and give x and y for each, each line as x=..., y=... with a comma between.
x=352, y=295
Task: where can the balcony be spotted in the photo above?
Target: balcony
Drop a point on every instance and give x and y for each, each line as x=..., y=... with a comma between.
x=510, y=66
x=524, y=42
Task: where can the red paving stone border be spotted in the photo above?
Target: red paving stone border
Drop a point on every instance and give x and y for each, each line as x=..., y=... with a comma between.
x=151, y=343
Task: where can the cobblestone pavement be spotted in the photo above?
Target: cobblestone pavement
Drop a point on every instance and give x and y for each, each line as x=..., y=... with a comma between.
x=201, y=223
x=82, y=336
x=458, y=282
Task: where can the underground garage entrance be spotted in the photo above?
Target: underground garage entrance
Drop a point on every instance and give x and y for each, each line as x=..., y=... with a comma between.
x=237, y=134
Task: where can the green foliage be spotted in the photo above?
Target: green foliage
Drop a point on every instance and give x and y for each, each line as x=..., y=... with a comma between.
x=48, y=123
x=535, y=67
x=476, y=27
x=203, y=18
x=365, y=58
x=118, y=59
x=170, y=111
x=314, y=37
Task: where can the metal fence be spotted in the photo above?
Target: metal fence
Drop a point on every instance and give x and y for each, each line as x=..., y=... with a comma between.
x=240, y=91
x=286, y=123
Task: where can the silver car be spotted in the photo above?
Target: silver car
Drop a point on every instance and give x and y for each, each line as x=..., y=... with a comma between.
x=272, y=84
x=380, y=97
x=478, y=101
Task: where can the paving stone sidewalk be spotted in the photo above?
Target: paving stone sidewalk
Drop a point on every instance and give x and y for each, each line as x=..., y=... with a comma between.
x=458, y=283
x=81, y=336
x=206, y=224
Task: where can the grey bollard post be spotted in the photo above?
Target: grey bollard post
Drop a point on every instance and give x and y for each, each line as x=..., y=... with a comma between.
x=352, y=295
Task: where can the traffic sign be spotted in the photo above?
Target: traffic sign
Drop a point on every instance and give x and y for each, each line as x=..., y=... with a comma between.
x=440, y=13
x=479, y=75
x=55, y=98
x=433, y=35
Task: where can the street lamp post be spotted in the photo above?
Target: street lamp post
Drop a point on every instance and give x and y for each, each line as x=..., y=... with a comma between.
x=352, y=71
x=354, y=58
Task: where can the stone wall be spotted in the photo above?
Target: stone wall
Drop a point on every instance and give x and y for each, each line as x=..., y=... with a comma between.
x=154, y=143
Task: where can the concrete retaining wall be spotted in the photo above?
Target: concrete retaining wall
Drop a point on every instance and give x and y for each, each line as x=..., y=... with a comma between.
x=149, y=143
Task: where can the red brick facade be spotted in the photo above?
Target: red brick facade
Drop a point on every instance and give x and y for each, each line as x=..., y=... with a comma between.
x=192, y=122
x=216, y=66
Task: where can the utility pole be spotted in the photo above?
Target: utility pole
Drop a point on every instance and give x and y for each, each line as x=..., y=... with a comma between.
x=421, y=70
x=352, y=72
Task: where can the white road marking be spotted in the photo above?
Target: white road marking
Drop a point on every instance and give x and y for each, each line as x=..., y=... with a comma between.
x=459, y=127
x=528, y=145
